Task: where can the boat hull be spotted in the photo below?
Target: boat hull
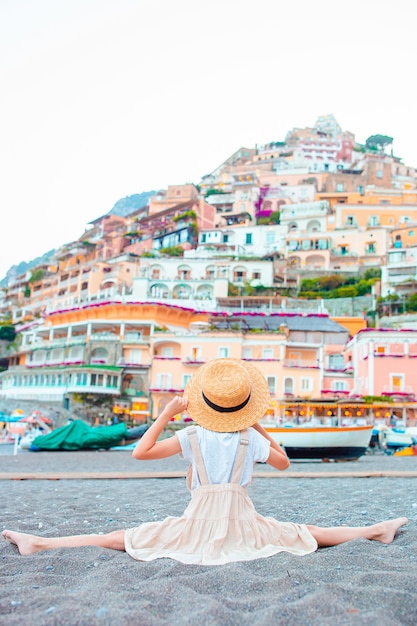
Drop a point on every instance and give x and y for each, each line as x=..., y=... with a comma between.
x=341, y=443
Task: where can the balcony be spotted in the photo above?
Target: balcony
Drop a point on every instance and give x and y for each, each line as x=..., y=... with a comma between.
x=299, y=363
x=406, y=392
x=132, y=365
x=133, y=338
x=342, y=252
x=166, y=390
x=104, y=337
x=191, y=361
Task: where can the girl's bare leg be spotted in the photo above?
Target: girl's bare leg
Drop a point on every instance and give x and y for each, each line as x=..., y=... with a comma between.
x=384, y=532
x=28, y=544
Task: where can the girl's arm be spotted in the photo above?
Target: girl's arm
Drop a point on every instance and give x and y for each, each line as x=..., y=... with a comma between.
x=148, y=447
x=277, y=456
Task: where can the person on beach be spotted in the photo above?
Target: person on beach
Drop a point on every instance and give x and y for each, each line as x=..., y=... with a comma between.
x=226, y=398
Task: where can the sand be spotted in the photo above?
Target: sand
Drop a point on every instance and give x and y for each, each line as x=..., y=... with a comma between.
x=357, y=583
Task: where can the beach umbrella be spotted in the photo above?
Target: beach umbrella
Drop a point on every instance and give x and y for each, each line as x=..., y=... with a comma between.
x=35, y=420
x=28, y=420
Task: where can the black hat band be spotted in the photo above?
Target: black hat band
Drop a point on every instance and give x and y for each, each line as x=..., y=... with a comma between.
x=225, y=409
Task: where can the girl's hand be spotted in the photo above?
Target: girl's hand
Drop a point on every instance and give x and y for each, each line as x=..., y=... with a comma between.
x=148, y=447
x=176, y=405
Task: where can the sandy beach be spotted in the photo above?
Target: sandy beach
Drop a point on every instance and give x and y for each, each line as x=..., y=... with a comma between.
x=356, y=583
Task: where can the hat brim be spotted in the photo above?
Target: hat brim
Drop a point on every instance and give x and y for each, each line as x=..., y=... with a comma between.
x=211, y=419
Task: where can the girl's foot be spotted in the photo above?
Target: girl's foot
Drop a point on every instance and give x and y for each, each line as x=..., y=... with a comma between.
x=27, y=544
x=386, y=531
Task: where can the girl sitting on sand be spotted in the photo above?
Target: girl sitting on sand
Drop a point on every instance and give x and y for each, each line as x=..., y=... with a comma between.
x=226, y=398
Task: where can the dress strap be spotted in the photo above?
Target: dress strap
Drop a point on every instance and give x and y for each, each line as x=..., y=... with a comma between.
x=198, y=457
x=240, y=456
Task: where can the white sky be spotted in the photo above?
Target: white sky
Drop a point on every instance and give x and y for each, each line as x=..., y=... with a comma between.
x=101, y=99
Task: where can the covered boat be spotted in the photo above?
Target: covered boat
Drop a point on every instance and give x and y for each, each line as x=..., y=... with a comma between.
x=80, y=436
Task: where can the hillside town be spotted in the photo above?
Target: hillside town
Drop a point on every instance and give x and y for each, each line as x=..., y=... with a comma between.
x=299, y=255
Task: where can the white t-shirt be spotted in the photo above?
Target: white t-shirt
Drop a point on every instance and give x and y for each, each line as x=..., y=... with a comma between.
x=219, y=452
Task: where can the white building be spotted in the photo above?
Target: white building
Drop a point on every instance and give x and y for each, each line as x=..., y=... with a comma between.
x=197, y=281
x=256, y=241
x=399, y=275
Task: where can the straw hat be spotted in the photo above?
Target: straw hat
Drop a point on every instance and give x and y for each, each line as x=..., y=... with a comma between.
x=227, y=395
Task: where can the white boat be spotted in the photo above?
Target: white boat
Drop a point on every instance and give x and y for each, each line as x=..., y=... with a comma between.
x=322, y=442
x=395, y=438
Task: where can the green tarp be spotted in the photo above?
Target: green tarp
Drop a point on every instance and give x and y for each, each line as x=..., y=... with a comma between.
x=78, y=436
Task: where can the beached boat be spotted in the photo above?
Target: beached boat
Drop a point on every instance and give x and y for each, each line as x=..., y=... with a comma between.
x=393, y=439
x=322, y=442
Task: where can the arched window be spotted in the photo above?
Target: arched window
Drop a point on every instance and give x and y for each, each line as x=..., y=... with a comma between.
x=99, y=355
x=288, y=385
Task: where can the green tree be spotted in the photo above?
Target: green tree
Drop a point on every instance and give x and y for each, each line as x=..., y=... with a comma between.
x=172, y=251
x=328, y=283
x=36, y=275
x=411, y=303
x=7, y=333
x=378, y=142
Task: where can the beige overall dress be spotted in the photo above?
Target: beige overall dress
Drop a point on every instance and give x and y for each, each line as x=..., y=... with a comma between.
x=220, y=525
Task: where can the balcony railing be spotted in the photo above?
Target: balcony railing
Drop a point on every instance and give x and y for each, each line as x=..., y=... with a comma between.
x=166, y=390
x=301, y=363
x=104, y=337
x=131, y=364
x=190, y=361
x=406, y=390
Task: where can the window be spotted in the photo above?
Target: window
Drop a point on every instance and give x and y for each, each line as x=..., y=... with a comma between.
x=248, y=238
x=288, y=385
x=225, y=238
x=223, y=353
x=268, y=353
x=339, y=385
x=163, y=381
x=271, y=380
x=203, y=238
x=306, y=384
x=185, y=379
x=373, y=220
x=247, y=353
x=380, y=350
x=135, y=356
x=168, y=352
x=256, y=275
x=397, y=382
x=336, y=362
x=350, y=220
x=359, y=188
x=340, y=187
x=379, y=173
x=195, y=353
x=270, y=236
x=370, y=247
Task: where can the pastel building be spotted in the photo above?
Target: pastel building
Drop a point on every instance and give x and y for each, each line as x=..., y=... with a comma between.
x=384, y=362
x=141, y=354
x=290, y=350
